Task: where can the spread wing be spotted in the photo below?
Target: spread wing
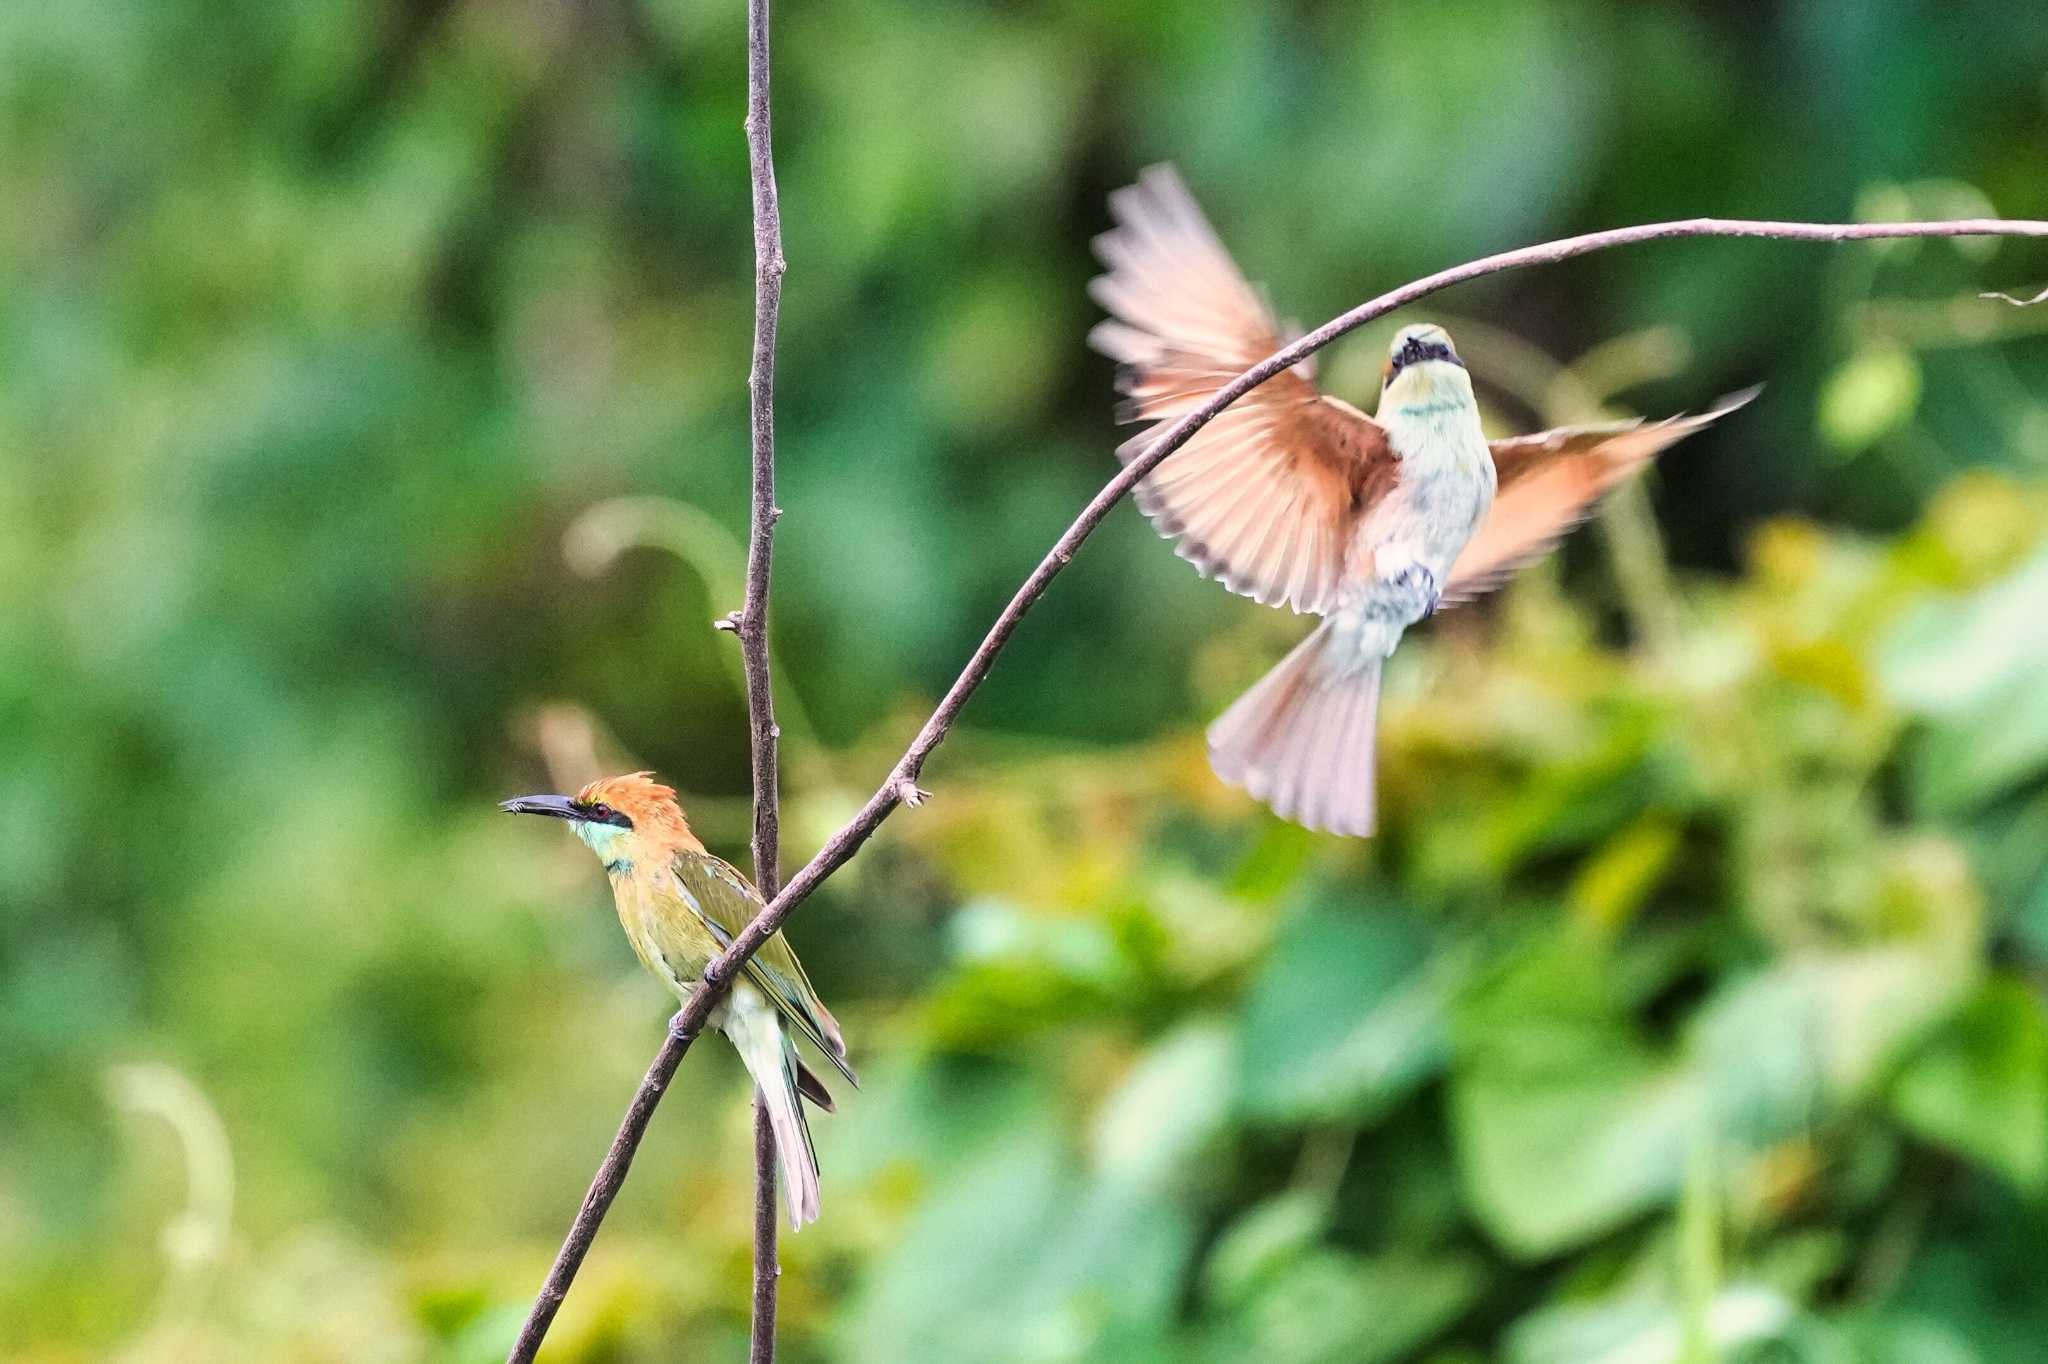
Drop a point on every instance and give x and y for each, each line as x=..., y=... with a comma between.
x=1551, y=481
x=1264, y=497
x=728, y=902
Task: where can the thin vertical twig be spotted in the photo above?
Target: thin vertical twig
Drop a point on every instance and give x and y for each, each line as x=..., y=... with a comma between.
x=768, y=271
x=769, y=267
x=900, y=787
x=767, y=1268
x=752, y=624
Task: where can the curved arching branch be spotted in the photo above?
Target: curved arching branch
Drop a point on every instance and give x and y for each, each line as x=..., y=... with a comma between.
x=900, y=787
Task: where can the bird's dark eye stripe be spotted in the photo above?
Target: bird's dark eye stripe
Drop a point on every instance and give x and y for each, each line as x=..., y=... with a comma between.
x=601, y=813
x=1417, y=350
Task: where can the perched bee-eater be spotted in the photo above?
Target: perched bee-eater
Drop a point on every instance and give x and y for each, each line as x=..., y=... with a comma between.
x=1298, y=499
x=681, y=907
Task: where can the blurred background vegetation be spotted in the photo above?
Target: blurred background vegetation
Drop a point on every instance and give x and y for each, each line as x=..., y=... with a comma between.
x=372, y=447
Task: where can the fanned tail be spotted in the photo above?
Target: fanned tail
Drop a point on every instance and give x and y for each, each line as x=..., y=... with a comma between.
x=770, y=1056
x=1301, y=740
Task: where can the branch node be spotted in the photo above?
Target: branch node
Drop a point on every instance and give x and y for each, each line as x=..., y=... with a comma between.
x=730, y=622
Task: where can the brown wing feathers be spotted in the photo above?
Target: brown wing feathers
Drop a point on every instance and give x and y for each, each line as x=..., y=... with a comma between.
x=1264, y=497
x=1552, y=480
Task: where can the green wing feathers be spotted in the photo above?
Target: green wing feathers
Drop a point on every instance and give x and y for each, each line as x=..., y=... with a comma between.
x=728, y=902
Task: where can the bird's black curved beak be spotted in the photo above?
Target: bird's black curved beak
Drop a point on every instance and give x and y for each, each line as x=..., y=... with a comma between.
x=561, y=807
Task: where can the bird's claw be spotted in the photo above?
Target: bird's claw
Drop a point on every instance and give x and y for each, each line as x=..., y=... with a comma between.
x=1419, y=580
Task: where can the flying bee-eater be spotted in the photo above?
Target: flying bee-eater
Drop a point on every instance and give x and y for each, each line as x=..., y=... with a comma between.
x=680, y=907
x=1295, y=498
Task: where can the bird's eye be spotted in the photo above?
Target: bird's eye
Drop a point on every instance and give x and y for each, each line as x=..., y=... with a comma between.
x=601, y=811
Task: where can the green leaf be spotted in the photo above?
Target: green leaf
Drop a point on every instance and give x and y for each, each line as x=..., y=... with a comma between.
x=1550, y=1159
x=1972, y=666
x=1567, y=1124
x=1332, y=1307
x=1952, y=656
x=1070, y=1261
x=1640, y=1328
x=1349, y=1015
x=1265, y=1240
x=1173, y=1103
x=1889, y=1337
x=1980, y=1086
x=1812, y=1033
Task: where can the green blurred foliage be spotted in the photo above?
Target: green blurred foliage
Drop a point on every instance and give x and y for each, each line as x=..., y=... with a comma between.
x=372, y=446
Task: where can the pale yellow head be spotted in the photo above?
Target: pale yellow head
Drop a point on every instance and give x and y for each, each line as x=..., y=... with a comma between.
x=1422, y=368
